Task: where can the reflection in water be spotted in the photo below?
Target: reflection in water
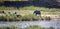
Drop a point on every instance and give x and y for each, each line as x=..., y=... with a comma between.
x=24, y=24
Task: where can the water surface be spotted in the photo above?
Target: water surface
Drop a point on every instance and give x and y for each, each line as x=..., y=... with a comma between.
x=55, y=24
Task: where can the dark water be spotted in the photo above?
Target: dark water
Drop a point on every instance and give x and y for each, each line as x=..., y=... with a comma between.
x=55, y=24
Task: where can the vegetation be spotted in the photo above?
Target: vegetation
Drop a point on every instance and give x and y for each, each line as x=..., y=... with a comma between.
x=38, y=27
x=29, y=27
x=26, y=9
x=27, y=12
x=29, y=17
x=31, y=8
x=12, y=27
x=50, y=28
x=46, y=18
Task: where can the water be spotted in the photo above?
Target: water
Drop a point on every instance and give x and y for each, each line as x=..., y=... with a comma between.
x=24, y=24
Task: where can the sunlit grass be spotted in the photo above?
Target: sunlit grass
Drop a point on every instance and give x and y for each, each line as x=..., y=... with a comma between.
x=26, y=12
x=29, y=10
x=28, y=27
x=38, y=27
x=30, y=17
x=12, y=27
x=7, y=8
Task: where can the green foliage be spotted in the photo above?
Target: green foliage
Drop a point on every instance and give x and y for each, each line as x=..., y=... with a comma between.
x=2, y=17
x=12, y=27
x=29, y=17
x=31, y=8
x=7, y=8
x=35, y=27
x=29, y=27
x=10, y=17
x=38, y=27
x=44, y=10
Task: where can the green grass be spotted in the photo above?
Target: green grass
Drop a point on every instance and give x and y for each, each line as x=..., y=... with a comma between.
x=12, y=27
x=38, y=27
x=29, y=27
x=40, y=8
x=30, y=9
x=30, y=17
x=7, y=8
x=27, y=12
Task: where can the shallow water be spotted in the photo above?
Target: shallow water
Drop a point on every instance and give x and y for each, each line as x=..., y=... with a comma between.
x=55, y=24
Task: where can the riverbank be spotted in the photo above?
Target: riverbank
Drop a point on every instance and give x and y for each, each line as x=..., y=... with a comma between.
x=11, y=27
x=29, y=17
x=26, y=13
x=30, y=27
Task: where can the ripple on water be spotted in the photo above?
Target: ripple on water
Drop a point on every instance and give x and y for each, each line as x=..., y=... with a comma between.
x=27, y=23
